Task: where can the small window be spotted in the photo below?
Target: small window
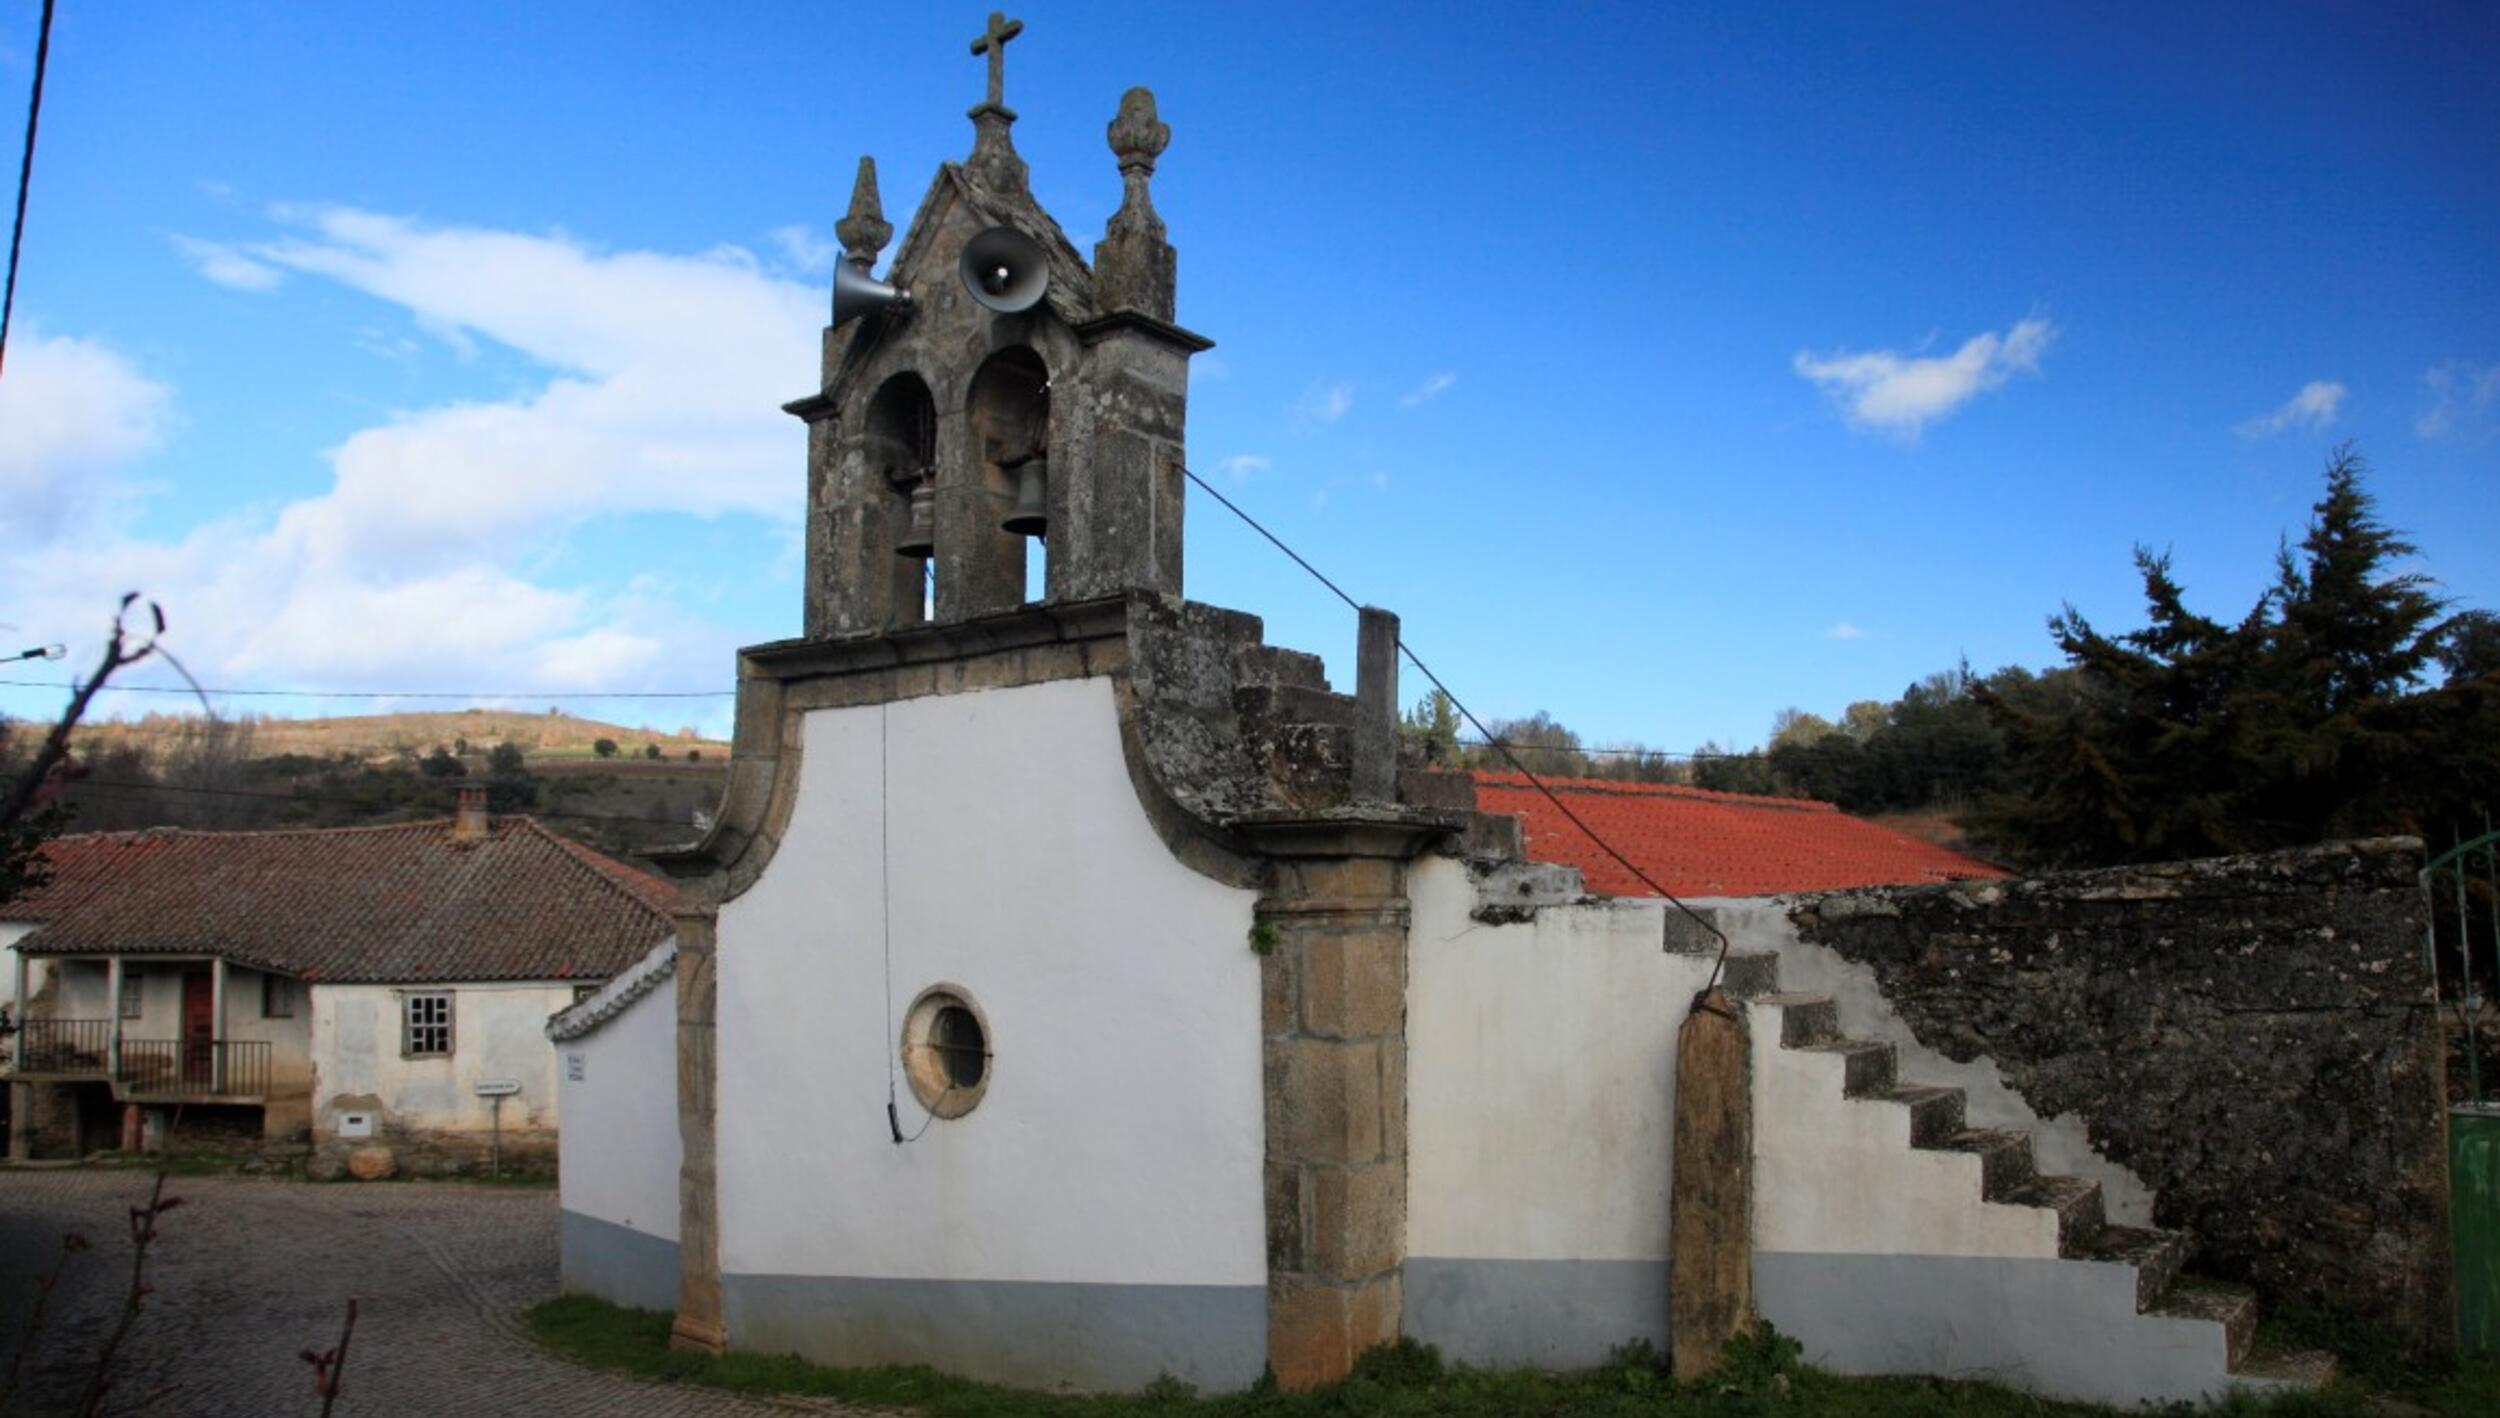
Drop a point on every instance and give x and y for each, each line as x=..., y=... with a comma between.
x=132, y=993
x=583, y=992
x=277, y=997
x=946, y=1051
x=428, y=1024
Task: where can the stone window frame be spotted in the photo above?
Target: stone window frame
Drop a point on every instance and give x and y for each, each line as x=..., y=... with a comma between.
x=924, y=1068
x=277, y=996
x=433, y=1038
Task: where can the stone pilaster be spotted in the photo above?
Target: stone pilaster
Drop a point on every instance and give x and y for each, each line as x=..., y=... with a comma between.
x=1333, y=926
x=700, y=1322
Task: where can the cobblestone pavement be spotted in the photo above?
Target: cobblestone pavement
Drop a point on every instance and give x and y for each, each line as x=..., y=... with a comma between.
x=248, y=1272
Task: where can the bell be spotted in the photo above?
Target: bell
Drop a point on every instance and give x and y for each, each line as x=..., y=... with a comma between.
x=920, y=532
x=1029, y=518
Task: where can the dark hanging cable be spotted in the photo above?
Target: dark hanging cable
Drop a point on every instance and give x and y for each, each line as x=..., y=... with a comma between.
x=25, y=178
x=1486, y=734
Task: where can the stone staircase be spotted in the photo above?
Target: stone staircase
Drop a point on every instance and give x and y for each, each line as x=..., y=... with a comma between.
x=2210, y=1324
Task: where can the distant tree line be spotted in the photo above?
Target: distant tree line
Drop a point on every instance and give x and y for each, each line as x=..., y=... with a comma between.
x=2350, y=700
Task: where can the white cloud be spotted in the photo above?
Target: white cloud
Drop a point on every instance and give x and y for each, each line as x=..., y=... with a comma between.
x=2312, y=408
x=1241, y=466
x=1430, y=389
x=805, y=251
x=227, y=266
x=73, y=414
x=437, y=555
x=1902, y=393
x=2464, y=401
x=1843, y=630
x=1323, y=402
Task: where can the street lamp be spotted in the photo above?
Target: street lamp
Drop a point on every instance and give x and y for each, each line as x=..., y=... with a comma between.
x=40, y=652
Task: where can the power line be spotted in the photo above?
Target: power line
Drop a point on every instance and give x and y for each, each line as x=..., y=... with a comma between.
x=25, y=176
x=525, y=694
x=1485, y=734
x=117, y=785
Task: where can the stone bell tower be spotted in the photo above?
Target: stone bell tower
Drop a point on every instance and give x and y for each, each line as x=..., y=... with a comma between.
x=954, y=440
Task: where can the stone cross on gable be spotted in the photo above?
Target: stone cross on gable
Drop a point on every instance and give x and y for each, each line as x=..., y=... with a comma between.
x=993, y=42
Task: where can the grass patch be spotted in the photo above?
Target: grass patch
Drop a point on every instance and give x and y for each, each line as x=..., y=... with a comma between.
x=1409, y=1380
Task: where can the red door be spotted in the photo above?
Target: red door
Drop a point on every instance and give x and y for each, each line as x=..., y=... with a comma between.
x=199, y=1027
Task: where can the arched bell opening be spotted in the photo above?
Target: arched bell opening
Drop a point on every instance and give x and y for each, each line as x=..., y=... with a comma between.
x=1009, y=404
x=900, y=433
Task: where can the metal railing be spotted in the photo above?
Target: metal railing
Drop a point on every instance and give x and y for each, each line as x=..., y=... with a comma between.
x=2463, y=884
x=196, y=1068
x=67, y=1046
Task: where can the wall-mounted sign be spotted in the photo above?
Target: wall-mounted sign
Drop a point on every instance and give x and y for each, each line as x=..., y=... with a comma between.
x=355, y=1124
x=498, y=1087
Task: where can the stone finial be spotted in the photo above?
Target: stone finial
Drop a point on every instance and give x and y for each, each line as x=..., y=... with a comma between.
x=1137, y=139
x=864, y=231
x=1134, y=267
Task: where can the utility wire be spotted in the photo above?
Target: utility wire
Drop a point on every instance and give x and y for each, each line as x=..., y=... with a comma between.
x=392, y=693
x=25, y=177
x=74, y=785
x=1485, y=734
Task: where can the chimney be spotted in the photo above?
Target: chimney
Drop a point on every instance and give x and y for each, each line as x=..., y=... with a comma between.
x=470, y=824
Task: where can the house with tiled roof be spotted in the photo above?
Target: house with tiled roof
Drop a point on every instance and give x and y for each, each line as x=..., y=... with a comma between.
x=1697, y=842
x=355, y=988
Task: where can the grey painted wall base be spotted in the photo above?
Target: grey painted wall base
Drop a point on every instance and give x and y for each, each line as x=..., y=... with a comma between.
x=1557, y=1314
x=2063, y=1328
x=1031, y=1334
x=615, y=1263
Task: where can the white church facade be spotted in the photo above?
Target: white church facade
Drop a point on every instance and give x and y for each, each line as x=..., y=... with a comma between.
x=1075, y=990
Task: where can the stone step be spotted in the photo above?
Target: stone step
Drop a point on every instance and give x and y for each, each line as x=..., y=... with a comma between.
x=1276, y=665
x=2076, y=1200
x=1936, y=1113
x=2156, y=1255
x=1866, y=1067
x=2308, y=1368
x=1294, y=704
x=1496, y=837
x=2005, y=1165
x=2234, y=1307
x=1752, y=974
x=1804, y=1019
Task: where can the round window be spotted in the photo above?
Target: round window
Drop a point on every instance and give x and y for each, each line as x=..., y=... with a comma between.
x=946, y=1051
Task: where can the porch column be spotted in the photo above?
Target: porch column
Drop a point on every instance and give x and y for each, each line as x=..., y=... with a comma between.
x=113, y=1013
x=217, y=1024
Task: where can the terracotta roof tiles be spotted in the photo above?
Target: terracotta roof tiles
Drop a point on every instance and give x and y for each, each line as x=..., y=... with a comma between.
x=397, y=904
x=1695, y=842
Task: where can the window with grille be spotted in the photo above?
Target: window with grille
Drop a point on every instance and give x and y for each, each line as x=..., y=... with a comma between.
x=277, y=997
x=428, y=1029
x=132, y=993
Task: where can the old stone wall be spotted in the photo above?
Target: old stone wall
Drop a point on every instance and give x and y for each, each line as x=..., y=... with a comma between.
x=2254, y=1036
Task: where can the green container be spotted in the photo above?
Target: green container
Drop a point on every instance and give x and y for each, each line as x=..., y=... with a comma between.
x=2474, y=1220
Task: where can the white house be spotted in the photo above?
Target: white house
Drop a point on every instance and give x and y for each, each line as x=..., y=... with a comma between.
x=349, y=988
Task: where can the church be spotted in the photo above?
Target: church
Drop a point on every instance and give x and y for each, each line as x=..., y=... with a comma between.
x=1076, y=989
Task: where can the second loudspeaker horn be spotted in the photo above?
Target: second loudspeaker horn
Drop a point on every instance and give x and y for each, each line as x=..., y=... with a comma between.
x=1005, y=270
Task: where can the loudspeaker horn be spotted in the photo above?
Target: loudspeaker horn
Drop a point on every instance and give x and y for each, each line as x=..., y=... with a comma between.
x=1005, y=269
x=855, y=292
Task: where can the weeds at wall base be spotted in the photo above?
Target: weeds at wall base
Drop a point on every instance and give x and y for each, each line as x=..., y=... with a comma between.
x=1762, y=1375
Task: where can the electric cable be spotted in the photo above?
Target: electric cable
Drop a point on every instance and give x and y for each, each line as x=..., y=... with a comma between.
x=25, y=177
x=388, y=693
x=1717, y=966
x=124, y=786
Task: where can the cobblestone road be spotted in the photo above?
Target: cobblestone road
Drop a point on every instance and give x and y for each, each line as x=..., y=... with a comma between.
x=248, y=1272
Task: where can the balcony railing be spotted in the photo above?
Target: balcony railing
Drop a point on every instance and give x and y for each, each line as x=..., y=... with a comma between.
x=194, y=1068
x=68, y=1046
x=175, y=1067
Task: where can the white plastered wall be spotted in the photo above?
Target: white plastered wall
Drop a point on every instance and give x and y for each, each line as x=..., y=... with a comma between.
x=497, y=1034
x=619, y=1152
x=1541, y=1119
x=1121, y=1136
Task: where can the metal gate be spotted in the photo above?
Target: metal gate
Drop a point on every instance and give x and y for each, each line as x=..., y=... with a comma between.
x=2463, y=937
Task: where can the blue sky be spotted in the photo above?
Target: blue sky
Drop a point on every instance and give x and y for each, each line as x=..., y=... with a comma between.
x=1663, y=366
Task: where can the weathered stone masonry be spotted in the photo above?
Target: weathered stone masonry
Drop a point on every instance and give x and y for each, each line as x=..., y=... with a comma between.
x=2253, y=1036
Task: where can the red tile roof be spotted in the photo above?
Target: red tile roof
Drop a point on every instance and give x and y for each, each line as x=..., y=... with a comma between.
x=397, y=904
x=1695, y=842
